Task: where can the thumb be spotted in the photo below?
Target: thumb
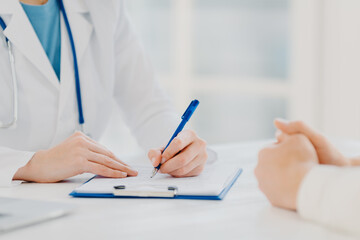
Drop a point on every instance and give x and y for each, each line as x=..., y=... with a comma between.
x=281, y=136
x=155, y=156
x=297, y=127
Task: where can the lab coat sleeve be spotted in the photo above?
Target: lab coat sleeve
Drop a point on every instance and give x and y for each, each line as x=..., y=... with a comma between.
x=331, y=196
x=146, y=108
x=10, y=161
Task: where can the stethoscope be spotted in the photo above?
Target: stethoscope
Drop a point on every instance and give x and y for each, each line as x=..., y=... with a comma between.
x=14, y=120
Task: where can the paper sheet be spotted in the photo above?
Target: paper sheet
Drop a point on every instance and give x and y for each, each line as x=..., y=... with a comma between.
x=210, y=182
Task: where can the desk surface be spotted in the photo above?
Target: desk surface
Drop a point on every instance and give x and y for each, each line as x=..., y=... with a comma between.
x=243, y=214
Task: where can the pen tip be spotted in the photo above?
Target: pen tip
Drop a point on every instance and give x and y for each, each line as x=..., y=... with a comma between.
x=154, y=173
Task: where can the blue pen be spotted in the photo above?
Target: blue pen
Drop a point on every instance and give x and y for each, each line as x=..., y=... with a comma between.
x=185, y=118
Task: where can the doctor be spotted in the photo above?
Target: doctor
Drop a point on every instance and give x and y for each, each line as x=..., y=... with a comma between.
x=74, y=60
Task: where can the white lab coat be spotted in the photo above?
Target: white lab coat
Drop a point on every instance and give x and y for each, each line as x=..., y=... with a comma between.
x=112, y=66
x=330, y=195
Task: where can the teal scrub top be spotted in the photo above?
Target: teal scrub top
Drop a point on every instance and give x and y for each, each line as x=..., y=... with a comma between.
x=45, y=20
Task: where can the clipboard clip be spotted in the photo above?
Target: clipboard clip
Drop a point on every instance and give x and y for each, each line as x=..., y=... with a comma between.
x=145, y=191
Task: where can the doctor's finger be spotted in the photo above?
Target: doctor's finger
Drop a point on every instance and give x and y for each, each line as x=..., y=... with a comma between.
x=94, y=146
x=155, y=156
x=110, y=163
x=182, y=159
x=182, y=172
x=98, y=148
x=183, y=139
x=196, y=171
x=101, y=170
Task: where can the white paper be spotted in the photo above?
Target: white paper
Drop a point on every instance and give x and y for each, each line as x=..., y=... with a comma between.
x=210, y=182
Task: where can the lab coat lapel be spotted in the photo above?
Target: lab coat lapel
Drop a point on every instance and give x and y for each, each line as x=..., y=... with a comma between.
x=82, y=30
x=21, y=33
x=67, y=99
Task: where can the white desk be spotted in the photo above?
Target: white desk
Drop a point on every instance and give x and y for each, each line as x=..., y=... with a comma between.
x=243, y=214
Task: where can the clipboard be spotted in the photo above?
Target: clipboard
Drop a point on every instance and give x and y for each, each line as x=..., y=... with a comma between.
x=161, y=191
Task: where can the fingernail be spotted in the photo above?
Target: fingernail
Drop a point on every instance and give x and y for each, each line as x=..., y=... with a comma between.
x=283, y=121
x=153, y=161
x=163, y=160
x=132, y=169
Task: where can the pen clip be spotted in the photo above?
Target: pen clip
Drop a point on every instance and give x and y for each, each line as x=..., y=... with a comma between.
x=190, y=110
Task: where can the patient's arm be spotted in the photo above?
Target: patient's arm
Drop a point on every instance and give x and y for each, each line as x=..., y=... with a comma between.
x=291, y=177
x=331, y=196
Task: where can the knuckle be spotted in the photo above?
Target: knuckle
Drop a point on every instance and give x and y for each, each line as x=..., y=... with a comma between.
x=319, y=137
x=299, y=138
x=299, y=124
x=203, y=143
x=150, y=153
x=78, y=134
x=191, y=133
x=107, y=161
x=111, y=154
x=81, y=162
x=80, y=141
x=178, y=142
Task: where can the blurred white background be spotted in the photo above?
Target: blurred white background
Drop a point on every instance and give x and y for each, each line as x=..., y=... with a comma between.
x=249, y=61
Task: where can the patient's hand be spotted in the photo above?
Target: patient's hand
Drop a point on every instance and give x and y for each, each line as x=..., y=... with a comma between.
x=326, y=152
x=282, y=167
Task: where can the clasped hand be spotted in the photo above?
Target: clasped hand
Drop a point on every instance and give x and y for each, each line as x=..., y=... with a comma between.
x=282, y=166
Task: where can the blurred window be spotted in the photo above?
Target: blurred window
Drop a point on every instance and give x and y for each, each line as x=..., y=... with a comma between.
x=232, y=55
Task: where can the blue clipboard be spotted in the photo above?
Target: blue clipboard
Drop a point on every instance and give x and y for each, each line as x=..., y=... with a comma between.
x=193, y=197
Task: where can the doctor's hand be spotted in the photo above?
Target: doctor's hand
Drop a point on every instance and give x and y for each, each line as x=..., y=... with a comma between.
x=326, y=152
x=186, y=155
x=76, y=155
x=281, y=168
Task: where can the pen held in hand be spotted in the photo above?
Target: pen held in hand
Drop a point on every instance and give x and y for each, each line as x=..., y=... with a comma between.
x=185, y=118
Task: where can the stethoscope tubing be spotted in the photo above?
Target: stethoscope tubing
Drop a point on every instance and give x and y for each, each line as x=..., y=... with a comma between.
x=14, y=82
x=14, y=78
x=76, y=67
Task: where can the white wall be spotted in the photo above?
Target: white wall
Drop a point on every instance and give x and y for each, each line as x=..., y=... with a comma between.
x=341, y=68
